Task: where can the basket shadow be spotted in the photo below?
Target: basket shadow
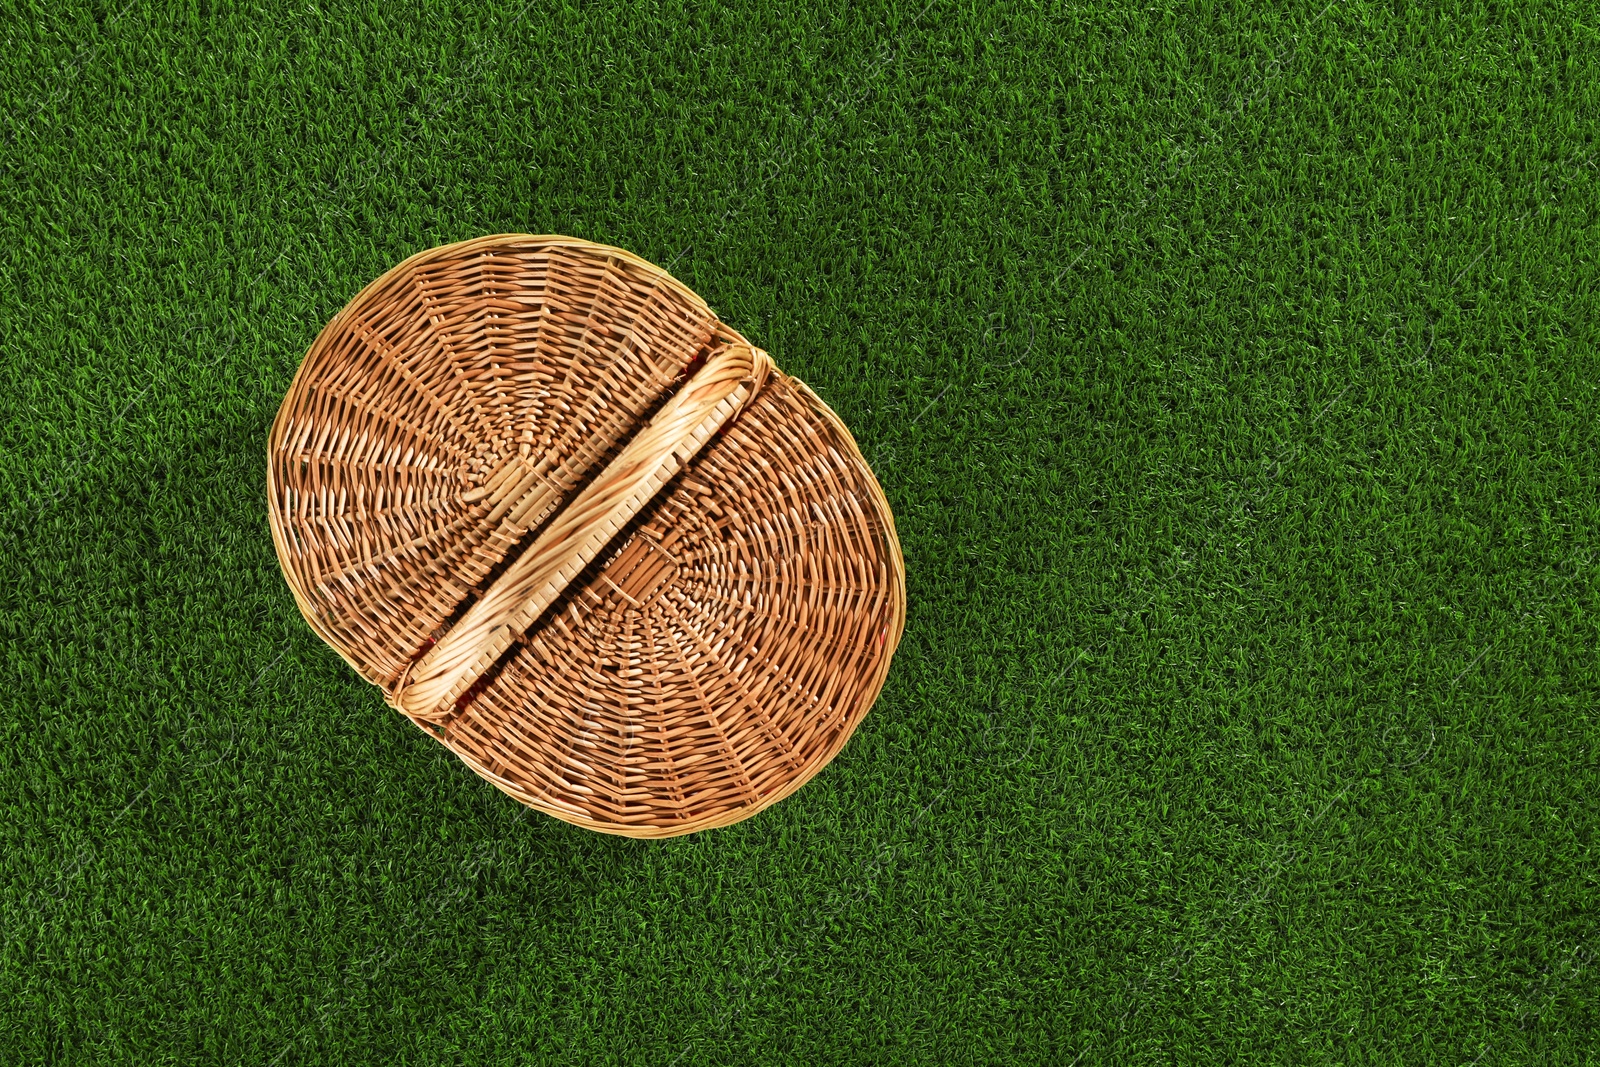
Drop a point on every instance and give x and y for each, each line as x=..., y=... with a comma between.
x=421, y=783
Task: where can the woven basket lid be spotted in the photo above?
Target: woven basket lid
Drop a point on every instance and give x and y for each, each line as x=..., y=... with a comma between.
x=585, y=535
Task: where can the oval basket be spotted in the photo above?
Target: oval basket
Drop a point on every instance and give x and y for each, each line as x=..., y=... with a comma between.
x=585, y=535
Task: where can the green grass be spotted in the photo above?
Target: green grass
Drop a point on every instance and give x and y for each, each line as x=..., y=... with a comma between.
x=1231, y=372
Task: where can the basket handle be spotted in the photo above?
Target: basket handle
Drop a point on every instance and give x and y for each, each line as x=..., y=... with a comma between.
x=730, y=377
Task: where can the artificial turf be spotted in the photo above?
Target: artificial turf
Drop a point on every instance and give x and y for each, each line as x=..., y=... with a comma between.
x=1231, y=373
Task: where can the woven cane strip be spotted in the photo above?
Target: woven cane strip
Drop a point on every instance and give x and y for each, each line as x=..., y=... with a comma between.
x=643, y=624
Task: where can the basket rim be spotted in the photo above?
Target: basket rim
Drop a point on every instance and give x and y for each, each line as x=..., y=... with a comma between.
x=893, y=633
x=493, y=241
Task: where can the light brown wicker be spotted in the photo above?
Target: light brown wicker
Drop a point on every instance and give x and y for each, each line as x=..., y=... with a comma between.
x=585, y=534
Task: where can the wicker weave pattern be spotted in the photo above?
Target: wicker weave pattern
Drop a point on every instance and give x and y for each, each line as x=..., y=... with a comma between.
x=585, y=534
x=445, y=412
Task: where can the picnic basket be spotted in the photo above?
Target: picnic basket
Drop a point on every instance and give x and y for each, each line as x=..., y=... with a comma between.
x=585, y=535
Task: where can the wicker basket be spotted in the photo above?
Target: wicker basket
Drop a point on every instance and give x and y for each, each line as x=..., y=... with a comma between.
x=585, y=535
